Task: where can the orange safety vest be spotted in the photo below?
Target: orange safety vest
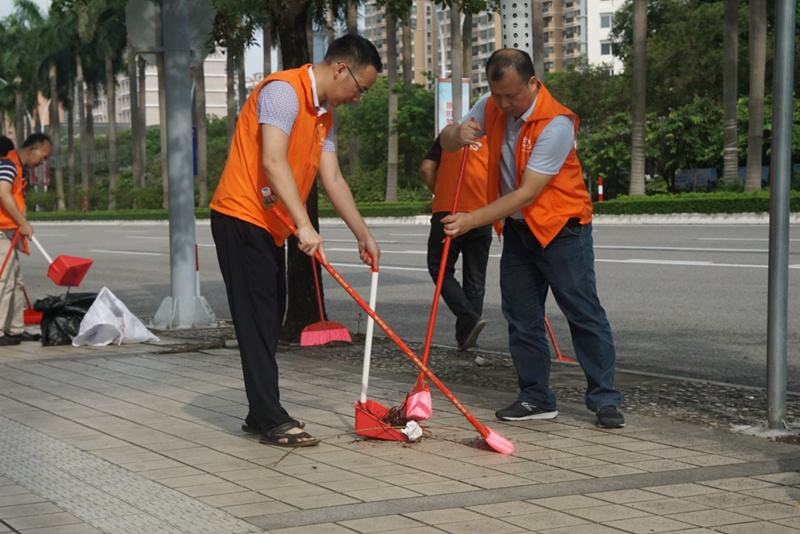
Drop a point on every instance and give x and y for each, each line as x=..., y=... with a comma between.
x=239, y=191
x=473, y=187
x=17, y=192
x=565, y=195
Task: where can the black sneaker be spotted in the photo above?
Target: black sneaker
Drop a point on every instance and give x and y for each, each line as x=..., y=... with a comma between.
x=471, y=339
x=610, y=417
x=25, y=336
x=523, y=411
x=6, y=341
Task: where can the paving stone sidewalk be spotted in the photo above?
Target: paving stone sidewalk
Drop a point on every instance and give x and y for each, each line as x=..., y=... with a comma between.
x=133, y=439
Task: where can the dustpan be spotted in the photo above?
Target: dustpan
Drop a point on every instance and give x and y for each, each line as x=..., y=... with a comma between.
x=371, y=416
x=65, y=270
x=29, y=315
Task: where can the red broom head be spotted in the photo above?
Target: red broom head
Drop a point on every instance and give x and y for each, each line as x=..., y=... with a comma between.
x=323, y=332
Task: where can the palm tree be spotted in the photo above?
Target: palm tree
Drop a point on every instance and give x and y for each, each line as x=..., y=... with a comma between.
x=198, y=75
x=136, y=125
x=456, y=59
x=408, y=65
x=730, y=90
x=538, y=38
x=638, y=97
x=755, y=108
x=466, y=46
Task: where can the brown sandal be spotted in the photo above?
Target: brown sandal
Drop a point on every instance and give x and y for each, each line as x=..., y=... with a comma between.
x=253, y=429
x=281, y=436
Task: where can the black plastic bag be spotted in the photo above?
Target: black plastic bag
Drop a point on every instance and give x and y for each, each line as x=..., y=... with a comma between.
x=62, y=316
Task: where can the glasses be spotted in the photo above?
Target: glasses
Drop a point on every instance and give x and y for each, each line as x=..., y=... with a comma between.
x=361, y=89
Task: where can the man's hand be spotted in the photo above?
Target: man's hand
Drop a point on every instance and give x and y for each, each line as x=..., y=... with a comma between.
x=25, y=229
x=469, y=133
x=310, y=241
x=368, y=251
x=458, y=224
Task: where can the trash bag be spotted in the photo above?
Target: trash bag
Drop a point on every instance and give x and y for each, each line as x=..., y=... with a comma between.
x=110, y=321
x=62, y=316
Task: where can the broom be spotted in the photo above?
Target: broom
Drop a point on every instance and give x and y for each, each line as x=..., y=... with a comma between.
x=323, y=331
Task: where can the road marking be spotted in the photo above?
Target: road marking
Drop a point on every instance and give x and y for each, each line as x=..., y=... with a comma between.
x=409, y=235
x=383, y=251
x=128, y=252
x=736, y=239
x=679, y=249
x=690, y=263
x=147, y=237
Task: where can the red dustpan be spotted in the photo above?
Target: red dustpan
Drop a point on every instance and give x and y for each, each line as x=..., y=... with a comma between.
x=65, y=270
x=494, y=440
x=370, y=415
x=418, y=405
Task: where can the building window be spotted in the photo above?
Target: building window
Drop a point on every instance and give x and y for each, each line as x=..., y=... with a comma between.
x=605, y=48
x=605, y=20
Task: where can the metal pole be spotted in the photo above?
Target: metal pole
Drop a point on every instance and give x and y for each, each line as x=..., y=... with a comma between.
x=778, y=293
x=517, y=25
x=183, y=308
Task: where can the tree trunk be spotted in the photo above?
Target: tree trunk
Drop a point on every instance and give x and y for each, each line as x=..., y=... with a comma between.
x=55, y=136
x=538, y=38
x=19, y=114
x=2, y=122
x=142, y=143
x=71, y=147
x=90, y=145
x=301, y=306
x=133, y=94
x=730, y=91
x=240, y=75
x=755, y=109
x=408, y=64
x=230, y=93
x=267, y=50
x=391, y=74
x=466, y=48
x=435, y=52
x=639, y=97
x=352, y=16
x=84, y=136
x=162, y=121
x=329, y=22
x=111, y=103
x=456, y=61
x=557, y=26
x=198, y=73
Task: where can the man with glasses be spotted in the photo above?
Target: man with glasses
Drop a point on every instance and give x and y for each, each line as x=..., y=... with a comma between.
x=284, y=135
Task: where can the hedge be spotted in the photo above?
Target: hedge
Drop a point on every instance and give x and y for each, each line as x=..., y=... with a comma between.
x=693, y=203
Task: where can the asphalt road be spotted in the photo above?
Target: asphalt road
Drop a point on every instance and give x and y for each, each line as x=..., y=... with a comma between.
x=687, y=300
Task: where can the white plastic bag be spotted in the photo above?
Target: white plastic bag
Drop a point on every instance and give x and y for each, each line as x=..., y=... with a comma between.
x=108, y=321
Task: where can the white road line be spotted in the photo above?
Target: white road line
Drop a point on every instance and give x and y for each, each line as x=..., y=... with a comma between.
x=383, y=251
x=147, y=237
x=737, y=239
x=679, y=249
x=409, y=235
x=127, y=252
x=689, y=263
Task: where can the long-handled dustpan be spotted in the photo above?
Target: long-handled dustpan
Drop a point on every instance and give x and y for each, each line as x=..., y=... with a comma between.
x=11, y=248
x=418, y=405
x=494, y=440
x=64, y=270
x=29, y=315
x=371, y=415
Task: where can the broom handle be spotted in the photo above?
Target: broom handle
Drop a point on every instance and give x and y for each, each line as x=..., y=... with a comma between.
x=480, y=427
x=426, y=349
x=44, y=253
x=373, y=297
x=10, y=251
x=316, y=288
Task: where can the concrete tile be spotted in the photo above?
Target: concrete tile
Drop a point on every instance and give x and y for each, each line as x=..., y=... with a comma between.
x=608, y=470
x=322, y=528
x=711, y=518
x=544, y=520
x=45, y=520
x=761, y=527
x=445, y=515
x=770, y=511
x=556, y=475
x=22, y=510
x=607, y=512
x=258, y=508
x=439, y=488
x=647, y=525
x=24, y=498
x=583, y=529
x=415, y=530
x=205, y=490
x=12, y=489
x=738, y=483
x=625, y=496
x=567, y=503
x=233, y=499
x=777, y=493
x=727, y=500
x=669, y=506
x=381, y=494
x=319, y=501
x=682, y=490
x=387, y=523
x=480, y=526
x=507, y=509
x=789, y=478
x=708, y=460
x=499, y=481
x=65, y=529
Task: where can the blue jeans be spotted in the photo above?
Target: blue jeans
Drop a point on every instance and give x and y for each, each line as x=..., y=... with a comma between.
x=566, y=266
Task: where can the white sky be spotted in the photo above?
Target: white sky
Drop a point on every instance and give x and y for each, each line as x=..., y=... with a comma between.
x=253, y=61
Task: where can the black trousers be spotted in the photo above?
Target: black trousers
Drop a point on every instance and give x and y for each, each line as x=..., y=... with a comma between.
x=254, y=270
x=465, y=300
